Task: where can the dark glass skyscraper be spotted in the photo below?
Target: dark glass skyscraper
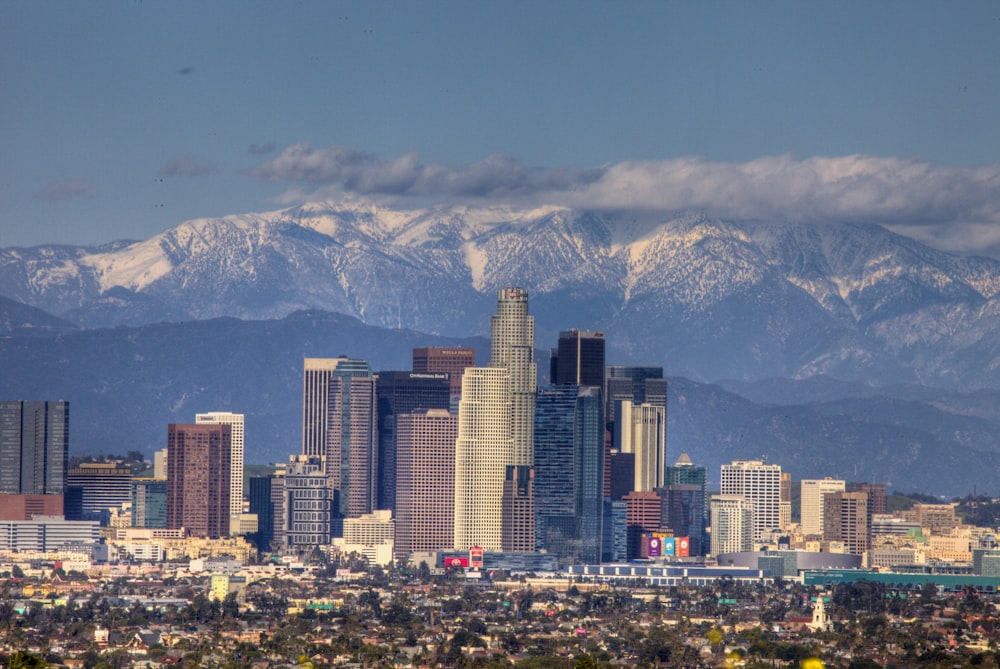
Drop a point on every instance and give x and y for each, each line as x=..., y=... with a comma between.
x=579, y=359
x=569, y=471
x=641, y=385
x=262, y=504
x=34, y=447
x=402, y=393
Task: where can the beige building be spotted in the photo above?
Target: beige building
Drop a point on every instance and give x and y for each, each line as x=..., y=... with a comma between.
x=236, y=459
x=812, y=492
x=760, y=484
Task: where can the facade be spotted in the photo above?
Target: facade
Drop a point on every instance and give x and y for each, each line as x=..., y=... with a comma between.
x=307, y=506
x=160, y=464
x=642, y=511
x=92, y=488
x=812, y=492
x=149, y=503
x=483, y=450
x=569, y=471
x=26, y=507
x=425, y=480
x=451, y=361
x=732, y=524
x=47, y=534
x=34, y=447
x=262, y=505
x=641, y=385
x=760, y=484
x=578, y=360
x=236, y=473
x=877, y=500
x=402, y=393
x=683, y=512
x=198, y=479
x=641, y=429
x=518, y=510
x=496, y=420
x=370, y=529
x=847, y=519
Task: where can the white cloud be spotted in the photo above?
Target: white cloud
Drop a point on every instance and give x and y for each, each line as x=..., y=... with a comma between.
x=185, y=166
x=890, y=191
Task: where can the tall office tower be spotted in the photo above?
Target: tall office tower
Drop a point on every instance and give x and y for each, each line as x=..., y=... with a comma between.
x=732, y=524
x=614, y=542
x=149, y=503
x=785, y=508
x=643, y=516
x=847, y=518
x=93, y=488
x=280, y=538
x=760, y=484
x=425, y=481
x=579, y=359
x=569, y=472
x=812, y=492
x=198, y=478
x=308, y=518
x=518, y=509
x=400, y=393
x=483, y=450
x=683, y=511
x=876, y=495
x=685, y=472
x=34, y=447
x=236, y=476
x=641, y=385
x=262, y=504
x=338, y=423
x=641, y=429
x=621, y=473
x=496, y=418
x=451, y=361
x=160, y=464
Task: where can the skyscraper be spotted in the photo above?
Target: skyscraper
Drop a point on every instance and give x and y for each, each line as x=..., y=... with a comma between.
x=34, y=447
x=518, y=509
x=760, y=484
x=262, y=504
x=847, y=518
x=640, y=429
x=425, y=480
x=496, y=420
x=641, y=385
x=683, y=511
x=149, y=503
x=338, y=423
x=308, y=514
x=812, y=492
x=236, y=467
x=579, y=359
x=512, y=346
x=399, y=393
x=482, y=452
x=452, y=361
x=569, y=470
x=198, y=478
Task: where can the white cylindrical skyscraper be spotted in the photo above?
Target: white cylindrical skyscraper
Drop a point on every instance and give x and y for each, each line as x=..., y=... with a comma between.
x=512, y=346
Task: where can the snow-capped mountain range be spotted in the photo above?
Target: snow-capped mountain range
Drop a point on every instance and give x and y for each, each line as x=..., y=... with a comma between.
x=706, y=298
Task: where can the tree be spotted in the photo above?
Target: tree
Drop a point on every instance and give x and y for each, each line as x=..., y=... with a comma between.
x=22, y=659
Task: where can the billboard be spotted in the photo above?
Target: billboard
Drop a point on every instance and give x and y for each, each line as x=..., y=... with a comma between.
x=452, y=561
x=476, y=556
x=659, y=544
x=683, y=546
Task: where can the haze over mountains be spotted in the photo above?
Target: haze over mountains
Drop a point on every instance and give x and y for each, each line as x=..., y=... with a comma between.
x=893, y=346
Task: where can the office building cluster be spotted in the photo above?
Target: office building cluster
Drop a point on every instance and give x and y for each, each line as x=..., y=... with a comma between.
x=450, y=458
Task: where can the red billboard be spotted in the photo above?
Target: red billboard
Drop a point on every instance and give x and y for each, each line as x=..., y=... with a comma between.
x=683, y=547
x=451, y=562
x=476, y=557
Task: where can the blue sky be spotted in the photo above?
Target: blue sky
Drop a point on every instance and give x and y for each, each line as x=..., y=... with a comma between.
x=122, y=119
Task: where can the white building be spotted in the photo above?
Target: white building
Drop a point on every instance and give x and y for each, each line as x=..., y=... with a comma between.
x=236, y=468
x=496, y=423
x=732, y=524
x=642, y=431
x=47, y=533
x=813, y=491
x=760, y=484
x=482, y=452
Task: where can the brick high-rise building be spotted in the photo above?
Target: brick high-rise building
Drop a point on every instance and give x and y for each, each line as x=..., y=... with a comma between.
x=451, y=361
x=518, y=508
x=847, y=518
x=198, y=478
x=236, y=475
x=425, y=481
